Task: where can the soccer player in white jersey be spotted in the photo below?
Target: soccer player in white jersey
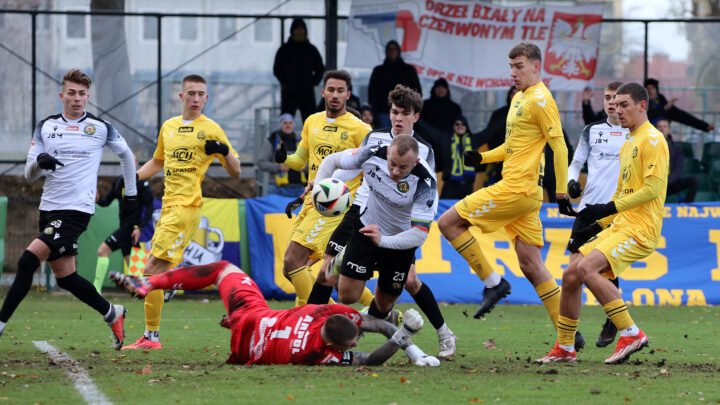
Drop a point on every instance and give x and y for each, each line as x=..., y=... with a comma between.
x=67, y=148
x=395, y=218
x=406, y=105
x=599, y=146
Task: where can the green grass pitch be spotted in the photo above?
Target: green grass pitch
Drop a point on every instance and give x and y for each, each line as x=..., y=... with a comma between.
x=492, y=364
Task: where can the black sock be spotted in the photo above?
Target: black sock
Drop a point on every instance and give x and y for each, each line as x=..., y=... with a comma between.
x=427, y=303
x=27, y=264
x=320, y=294
x=85, y=292
x=616, y=281
x=374, y=311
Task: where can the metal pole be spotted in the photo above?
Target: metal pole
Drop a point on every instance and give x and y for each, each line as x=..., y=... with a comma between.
x=33, y=27
x=645, y=54
x=159, y=73
x=331, y=34
x=282, y=31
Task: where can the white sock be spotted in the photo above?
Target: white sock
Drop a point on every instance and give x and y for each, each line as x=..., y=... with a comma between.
x=631, y=331
x=2, y=327
x=570, y=348
x=443, y=331
x=492, y=280
x=414, y=353
x=153, y=335
x=108, y=317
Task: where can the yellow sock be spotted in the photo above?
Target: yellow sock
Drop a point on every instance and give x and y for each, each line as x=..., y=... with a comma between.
x=366, y=297
x=153, y=309
x=332, y=301
x=302, y=280
x=549, y=293
x=469, y=249
x=566, y=328
x=618, y=313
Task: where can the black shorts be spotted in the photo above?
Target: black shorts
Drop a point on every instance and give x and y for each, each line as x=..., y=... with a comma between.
x=575, y=242
x=362, y=258
x=121, y=239
x=342, y=232
x=60, y=230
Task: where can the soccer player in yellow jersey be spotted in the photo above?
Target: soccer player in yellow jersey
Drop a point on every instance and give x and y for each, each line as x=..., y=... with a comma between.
x=187, y=144
x=323, y=133
x=514, y=202
x=636, y=213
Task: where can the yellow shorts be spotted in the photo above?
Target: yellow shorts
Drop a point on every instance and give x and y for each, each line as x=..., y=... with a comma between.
x=313, y=230
x=174, y=231
x=491, y=208
x=621, y=248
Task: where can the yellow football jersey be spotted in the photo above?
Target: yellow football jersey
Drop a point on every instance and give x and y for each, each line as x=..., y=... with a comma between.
x=321, y=138
x=182, y=147
x=532, y=119
x=644, y=154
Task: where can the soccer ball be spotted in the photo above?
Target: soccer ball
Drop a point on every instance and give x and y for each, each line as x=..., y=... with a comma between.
x=331, y=197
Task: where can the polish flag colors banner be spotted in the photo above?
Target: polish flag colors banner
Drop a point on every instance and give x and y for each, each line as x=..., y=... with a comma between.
x=467, y=43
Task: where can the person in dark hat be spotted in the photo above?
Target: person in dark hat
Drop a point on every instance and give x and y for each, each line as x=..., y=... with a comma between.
x=299, y=68
x=385, y=77
x=458, y=178
x=659, y=108
x=439, y=110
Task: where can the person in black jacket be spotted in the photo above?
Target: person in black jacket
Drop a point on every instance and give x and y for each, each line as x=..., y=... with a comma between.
x=589, y=115
x=385, y=77
x=299, y=68
x=439, y=110
x=128, y=234
x=458, y=178
x=659, y=107
x=676, y=182
x=494, y=135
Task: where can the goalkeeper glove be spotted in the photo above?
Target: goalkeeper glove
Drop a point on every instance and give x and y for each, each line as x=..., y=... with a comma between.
x=593, y=212
x=566, y=208
x=472, y=158
x=48, y=162
x=581, y=236
x=574, y=189
x=292, y=206
x=212, y=147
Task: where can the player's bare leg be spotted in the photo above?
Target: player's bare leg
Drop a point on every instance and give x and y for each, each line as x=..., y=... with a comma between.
x=350, y=290
x=295, y=269
x=427, y=303
x=457, y=231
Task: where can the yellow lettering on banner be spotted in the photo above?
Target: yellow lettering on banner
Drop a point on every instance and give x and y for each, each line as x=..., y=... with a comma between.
x=277, y=226
x=431, y=260
x=552, y=212
x=682, y=211
x=672, y=297
x=715, y=238
x=557, y=256
x=667, y=213
x=647, y=293
x=696, y=298
x=655, y=266
x=714, y=211
x=499, y=258
x=591, y=300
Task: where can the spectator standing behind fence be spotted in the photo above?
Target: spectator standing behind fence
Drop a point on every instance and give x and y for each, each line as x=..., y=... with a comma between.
x=299, y=68
x=385, y=77
x=287, y=182
x=494, y=135
x=458, y=178
x=589, y=115
x=676, y=181
x=659, y=107
x=366, y=115
x=439, y=110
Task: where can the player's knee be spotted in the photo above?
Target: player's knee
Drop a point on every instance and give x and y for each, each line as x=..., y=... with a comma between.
x=413, y=284
x=445, y=222
x=583, y=270
x=570, y=277
x=348, y=296
x=228, y=269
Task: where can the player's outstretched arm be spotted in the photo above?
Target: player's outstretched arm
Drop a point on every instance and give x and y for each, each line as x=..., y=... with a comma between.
x=232, y=166
x=151, y=168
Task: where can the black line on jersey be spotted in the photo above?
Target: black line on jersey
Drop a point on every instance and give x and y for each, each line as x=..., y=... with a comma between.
x=49, y=117
x=421, y=172
x=381, y=153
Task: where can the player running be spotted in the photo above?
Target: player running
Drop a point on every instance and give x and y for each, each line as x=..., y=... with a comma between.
x=406, y=105
x=67, y=149
x=323, y=133
x=311, y=334
x=514, y=202
x=187, y=144
x=636, y=212
x=128, y=233
x=599, y=146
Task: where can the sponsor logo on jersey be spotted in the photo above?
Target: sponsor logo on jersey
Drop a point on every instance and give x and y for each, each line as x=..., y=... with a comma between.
x=330, y=128
x=72, y=128
x=323, y=150
x=358, y=268
x=182, y=154
x=201, y=135
x=185, y=130
x=635, y=152
x=90, y=129
x=616, y=133
x=344, y=136
x=626, y=173
x=49, y=230
x=403, y=187
x=175, y=170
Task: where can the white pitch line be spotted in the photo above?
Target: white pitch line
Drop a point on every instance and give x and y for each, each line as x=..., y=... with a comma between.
x=83, y=383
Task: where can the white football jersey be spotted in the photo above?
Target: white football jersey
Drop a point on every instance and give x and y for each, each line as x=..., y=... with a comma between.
x=394, y=207
x=78, y=144
x=599, y=145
